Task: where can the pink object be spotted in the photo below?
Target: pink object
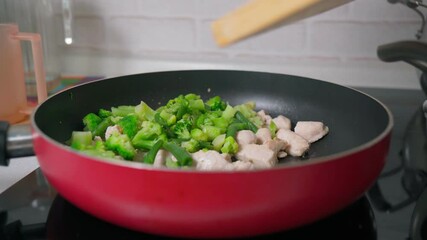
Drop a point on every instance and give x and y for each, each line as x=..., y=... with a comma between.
x=210, y=204
x=13, y=98
x=216, y=204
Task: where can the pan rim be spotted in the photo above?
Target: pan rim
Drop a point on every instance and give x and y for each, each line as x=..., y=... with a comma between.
x=297, y=164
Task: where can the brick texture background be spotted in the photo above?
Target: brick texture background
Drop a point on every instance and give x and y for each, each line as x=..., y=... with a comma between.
x=350, y=31
x=180, y=30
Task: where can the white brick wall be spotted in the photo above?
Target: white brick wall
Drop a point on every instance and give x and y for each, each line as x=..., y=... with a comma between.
x=354, y=38
x=180, y=30
x=161, y=34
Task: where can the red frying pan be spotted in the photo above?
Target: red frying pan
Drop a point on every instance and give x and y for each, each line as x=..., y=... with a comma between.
x=188, y=203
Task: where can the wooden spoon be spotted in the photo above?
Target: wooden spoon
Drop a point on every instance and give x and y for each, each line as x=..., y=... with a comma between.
x=261, y=15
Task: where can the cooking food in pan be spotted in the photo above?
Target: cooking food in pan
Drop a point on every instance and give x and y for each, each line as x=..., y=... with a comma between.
x=216, y=204
x=189, y=132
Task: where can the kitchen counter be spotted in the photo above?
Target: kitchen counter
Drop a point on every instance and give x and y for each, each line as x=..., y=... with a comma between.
x=17, y=169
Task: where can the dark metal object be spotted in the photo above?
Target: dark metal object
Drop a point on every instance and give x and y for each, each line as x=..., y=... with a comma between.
x=15, y=141
x=4, y=159
x=16, y=230
x=414, y=4
x=19, y=141
x=419, y=219
x=414, y=149
x=411, y=52
x=413, y=164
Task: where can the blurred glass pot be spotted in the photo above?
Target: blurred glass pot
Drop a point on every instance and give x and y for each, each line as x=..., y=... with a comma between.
x=38, y=16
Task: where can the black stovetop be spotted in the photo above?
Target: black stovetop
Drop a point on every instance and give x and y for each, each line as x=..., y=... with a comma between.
x=31, y=208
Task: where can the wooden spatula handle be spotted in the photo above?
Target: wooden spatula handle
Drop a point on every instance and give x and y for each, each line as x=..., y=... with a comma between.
x=259, y=15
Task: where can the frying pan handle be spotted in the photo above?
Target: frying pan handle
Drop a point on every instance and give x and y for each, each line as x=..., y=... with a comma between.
x=15, y=141
x=4, y=127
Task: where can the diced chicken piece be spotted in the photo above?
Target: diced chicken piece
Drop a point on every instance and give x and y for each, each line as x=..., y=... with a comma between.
x=244, y=137
x=265, y=117
x=297, y=145
x=161, y=156
x=260, y=155
x=97, y=138
x=226, y=156
x=243, y=165
x=263, y=135
x=311, y=130
x=211, y=160
x=276, y=145
x=282, y=122
x=282, y=154
x=111, y=130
